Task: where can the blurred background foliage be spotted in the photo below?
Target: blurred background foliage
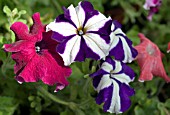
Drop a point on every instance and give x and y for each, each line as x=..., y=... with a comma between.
x=151, y=98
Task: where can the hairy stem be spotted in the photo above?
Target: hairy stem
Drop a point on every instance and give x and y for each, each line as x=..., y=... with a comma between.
x=52, y=97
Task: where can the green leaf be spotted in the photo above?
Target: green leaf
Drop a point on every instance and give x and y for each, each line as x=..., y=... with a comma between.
x=7, y=11
x=167, y=103
x=133, y=35
x=79, y=112
x=7, y=105
x=67, y=112
x=139, y=111
x=14, y=12
x=2, y=55
x=161, y=108
x=22, y=12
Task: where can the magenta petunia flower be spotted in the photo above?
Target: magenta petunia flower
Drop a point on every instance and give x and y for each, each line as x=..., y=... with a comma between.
x=168, y=50
x=152, y=6
x=149, y=59
x=35, y=55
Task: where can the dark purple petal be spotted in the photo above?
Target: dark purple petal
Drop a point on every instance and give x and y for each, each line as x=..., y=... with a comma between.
x=65, y=18
x=132, y=49
x=89, y=11
x=85, y=52
x=68, y=17
x=118, y=51
x=110, y=61
x=96, y=80
x=117, y=25
x=99, y=72
x=104, y=31
x=60, y=38
x=104, y=95
x=128, y=71
x=125, y=93
x=61, y=47
x=109, y=99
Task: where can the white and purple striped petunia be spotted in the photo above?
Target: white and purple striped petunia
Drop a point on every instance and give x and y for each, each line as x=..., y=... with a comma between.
x=82, y=33
x=120, y=46
x=111, y=82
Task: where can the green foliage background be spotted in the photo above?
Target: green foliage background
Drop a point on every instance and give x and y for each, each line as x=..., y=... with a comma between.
x=151, y=98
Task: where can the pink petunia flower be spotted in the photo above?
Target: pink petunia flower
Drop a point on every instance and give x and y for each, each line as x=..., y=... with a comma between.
x=153, y=7
x=149, y=60
x=168, y=50
x=35, y=55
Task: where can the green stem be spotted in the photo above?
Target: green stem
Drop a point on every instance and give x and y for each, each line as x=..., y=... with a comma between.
x=52, y=97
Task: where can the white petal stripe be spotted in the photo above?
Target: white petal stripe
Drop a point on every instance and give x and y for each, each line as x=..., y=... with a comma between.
x=95, y=20
x=73, y=15
x=94, y=46
x=107, y=67
x=114, y=40
x=127, y=51
x=123, y=78
x=71, y=50
x=96, y=25
x=101, y=43
x=80, y=14
x=104, y=82
x=118, y=67
x=63, y=28
x=115, y=101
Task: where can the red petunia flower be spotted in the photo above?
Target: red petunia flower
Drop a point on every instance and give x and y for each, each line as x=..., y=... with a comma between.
x=35, y=55
x=168, y=50
x=149, y=60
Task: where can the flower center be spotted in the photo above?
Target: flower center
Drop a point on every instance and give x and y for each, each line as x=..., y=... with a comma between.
x=112, y=71
x=37, y=49
x=81, y=31
x=150, y=50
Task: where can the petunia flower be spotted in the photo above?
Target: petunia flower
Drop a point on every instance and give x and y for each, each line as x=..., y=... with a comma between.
x=150, y=60
x=112, y=84
x=82, y=33
x=120, y=45
x=35, y=56
x=153, y=7
x=168, y=50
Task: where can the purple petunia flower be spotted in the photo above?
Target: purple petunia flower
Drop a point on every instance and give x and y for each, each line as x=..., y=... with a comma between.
x=152, y=6
x=120, y=46
x=111, y=82
x=82, y=33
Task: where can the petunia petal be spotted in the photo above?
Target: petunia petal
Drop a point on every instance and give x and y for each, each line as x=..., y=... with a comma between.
x=85, y=11
x=37, y=28
x=63, y=28
x=95, y=39
x=44, y=68
x=94, y=46
x=102, y=29
x=120, y=46
x=70, y=49
x=86, y=52
x=19, y=45
x=71, y=14
x=21, y=31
